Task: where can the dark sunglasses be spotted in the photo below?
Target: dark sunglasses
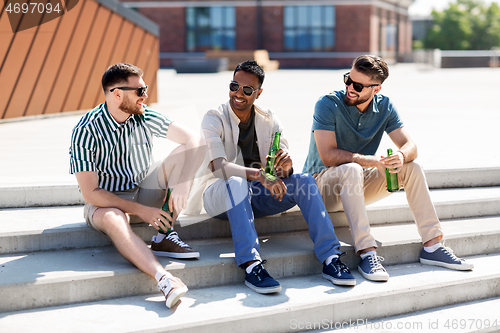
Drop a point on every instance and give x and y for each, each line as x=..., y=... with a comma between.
x=139, y=91
x=247, y=90
x=357, y=86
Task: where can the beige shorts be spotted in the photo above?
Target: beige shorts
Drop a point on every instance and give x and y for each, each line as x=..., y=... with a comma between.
x=149, y=193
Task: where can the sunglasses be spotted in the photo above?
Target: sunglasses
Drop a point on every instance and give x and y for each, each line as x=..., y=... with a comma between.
x=357, y=86
x=139, y=91
x=247, y=90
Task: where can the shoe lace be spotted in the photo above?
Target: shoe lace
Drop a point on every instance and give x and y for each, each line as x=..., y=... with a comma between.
x=259, y=271
x=164, y=285
x=449, y=252
x=375, y=263
x=339, y=265
x=174, y=237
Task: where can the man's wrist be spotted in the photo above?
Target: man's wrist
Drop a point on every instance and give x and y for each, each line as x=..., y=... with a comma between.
x=257, y=174
x=404, y=156
x=263, y=176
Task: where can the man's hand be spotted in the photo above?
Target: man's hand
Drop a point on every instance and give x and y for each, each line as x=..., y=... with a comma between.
x=393, y=162
x=274, y=184
x=156, y=217
x=283, y=164
x=178, y=198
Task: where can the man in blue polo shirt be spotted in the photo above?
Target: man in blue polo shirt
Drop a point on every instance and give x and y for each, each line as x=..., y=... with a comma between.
x=346, y=133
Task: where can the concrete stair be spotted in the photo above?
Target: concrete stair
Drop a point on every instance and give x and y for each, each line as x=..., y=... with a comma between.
x=57, y=273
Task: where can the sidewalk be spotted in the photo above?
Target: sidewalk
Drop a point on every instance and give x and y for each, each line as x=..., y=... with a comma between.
x=452, y=115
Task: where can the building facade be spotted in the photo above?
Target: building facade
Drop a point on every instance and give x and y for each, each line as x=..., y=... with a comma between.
x=56, y=65
x=300, y=34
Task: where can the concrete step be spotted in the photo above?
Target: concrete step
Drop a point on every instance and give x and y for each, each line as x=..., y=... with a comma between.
x=469, y=317
x=40, y=279
x=51, y=228
x=303, y=301
x=67, y=193
x=40, y=196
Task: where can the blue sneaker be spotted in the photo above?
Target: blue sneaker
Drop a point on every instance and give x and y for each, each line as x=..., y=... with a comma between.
x=260, y=281
x=444, y=257
x=371, y=268
x=338, y=273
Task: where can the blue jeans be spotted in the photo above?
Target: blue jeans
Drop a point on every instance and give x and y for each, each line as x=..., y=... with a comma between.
x=245, y=200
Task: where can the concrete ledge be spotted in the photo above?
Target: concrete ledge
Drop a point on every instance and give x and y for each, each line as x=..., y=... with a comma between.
x=303, y=300
x=40, y=196
x=456, y=178
x=63, y=277
x=61, y=195
x=42, y=229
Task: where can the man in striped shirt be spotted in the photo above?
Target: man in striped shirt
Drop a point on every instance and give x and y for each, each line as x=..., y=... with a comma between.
x=110, y=155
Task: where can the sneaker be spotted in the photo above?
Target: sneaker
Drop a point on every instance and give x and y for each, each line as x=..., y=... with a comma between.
x=172, y=246
x=260, y=281
x=371, y=268
x=444, y=257
x=172, y=288
x=338, y=273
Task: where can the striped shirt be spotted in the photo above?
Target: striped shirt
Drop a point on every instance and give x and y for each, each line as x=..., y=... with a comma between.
x=120, y=153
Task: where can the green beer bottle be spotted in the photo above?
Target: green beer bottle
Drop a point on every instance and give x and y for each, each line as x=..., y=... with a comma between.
x=165, y=208
x=392, y=178
x=271, y=157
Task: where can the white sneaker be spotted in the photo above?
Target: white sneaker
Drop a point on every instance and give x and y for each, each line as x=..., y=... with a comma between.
x=173, y=289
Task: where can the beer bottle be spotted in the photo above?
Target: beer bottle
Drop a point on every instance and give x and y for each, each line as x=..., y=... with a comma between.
x=165, y=208
x=271, y=157
x=392, y=178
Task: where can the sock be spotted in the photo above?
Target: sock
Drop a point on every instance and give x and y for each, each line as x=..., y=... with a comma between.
x=433, y=248
x=159, y=237
x=159, y=275
x=249, y=268
x=329, y=260
x=364, y=255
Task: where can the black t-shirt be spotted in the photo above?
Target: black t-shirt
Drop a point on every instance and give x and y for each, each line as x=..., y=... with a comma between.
x=247, y=141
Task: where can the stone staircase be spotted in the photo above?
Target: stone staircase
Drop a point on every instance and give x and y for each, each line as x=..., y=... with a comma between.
x=58, y=275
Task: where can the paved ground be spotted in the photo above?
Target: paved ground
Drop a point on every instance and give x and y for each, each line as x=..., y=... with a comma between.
x=452, y=114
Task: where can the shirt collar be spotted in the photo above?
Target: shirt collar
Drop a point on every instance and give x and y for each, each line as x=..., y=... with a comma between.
x=110, y=120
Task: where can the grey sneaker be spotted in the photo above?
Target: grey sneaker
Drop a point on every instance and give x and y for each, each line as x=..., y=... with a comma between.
x=444, y=257
x=371, y=268
x=173, y=289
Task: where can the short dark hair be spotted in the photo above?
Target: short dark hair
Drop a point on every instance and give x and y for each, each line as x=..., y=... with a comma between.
x=373, y=66
x=119, y=73
x=252, y=67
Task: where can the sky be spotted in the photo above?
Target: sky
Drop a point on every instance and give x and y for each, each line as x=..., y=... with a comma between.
x=424, y=7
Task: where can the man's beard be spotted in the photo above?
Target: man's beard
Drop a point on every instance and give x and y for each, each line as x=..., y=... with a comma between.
x=129, y=107
x=355, y=102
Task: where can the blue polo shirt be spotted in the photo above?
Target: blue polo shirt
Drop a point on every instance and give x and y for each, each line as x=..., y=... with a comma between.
x=355, y=131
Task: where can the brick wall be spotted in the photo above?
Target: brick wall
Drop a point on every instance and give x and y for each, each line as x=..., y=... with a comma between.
x=172, y=22
x=246, y=28
x=353, y=28
x=272, y=30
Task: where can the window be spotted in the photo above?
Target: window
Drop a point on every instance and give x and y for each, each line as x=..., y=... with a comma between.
x=391, y=35
x=210, y=28
x=309, y=28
